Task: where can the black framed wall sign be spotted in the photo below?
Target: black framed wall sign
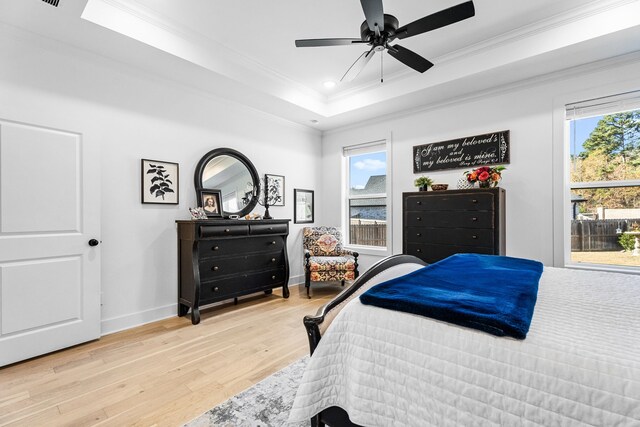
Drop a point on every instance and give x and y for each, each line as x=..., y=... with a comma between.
x=303, y=207
x=479, y=150
x=159, y=182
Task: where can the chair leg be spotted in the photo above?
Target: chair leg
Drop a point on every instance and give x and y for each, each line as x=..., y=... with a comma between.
x=307, y=281
x=342, y=281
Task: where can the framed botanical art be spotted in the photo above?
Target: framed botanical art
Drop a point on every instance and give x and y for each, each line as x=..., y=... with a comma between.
x=303, y=207
x=275, y=186
x=211, y=202
x=160, y=182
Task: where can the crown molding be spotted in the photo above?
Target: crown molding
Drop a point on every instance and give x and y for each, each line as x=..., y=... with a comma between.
x=579, y=70
x=592, y=8
x=46, y=44
x=156, y=19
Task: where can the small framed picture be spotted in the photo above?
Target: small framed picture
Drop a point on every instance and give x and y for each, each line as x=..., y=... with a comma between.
x=211, y=202
x=159, y=182
x=275, y=185
x=303, y=207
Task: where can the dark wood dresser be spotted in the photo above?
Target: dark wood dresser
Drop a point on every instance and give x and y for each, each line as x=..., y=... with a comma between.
x=224, y=259
x=437, y=224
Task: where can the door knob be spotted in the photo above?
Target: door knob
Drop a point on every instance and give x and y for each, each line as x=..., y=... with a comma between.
x=93, y=242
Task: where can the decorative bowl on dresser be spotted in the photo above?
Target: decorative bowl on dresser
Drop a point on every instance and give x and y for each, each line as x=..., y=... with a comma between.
x=439, y=224
x=224, y=259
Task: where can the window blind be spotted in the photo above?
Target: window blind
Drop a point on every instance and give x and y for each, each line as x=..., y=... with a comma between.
x=605, y=105
x=368, y=147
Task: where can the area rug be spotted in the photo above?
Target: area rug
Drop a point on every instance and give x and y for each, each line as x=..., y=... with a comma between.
x=266, y=404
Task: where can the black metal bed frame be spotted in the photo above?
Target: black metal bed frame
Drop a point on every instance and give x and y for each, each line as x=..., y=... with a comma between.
x=336, y=416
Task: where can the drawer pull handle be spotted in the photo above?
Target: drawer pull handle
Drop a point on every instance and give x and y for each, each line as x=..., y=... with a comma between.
x=273, y=242
x=216, y=289
x=418, y=234
x=474, y=201
x=215, y=248
x=270, y=228
x=215, y=268
x=273, y=277
x=226, y=230
x=418, y=250
x=273, y=260
x=419, y=219
x=419, y=202
x=474, y=237
x=474, y=219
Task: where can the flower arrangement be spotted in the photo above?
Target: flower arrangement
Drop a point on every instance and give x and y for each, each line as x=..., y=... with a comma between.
x=423, y=182
x=485, y=176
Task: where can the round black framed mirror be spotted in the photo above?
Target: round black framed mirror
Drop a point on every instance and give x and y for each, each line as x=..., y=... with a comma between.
x=232, y=173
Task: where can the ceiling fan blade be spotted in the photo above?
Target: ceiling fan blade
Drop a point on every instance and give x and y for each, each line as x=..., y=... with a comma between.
x=358, y=66
x=409, y=58
x=327, y=42
x=374, y=13
x=437, y=20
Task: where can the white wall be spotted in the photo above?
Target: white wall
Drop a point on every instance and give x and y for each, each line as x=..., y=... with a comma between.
x=527, y=111
x=133, y=115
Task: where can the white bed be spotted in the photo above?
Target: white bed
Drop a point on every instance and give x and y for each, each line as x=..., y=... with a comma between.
x=579, y=365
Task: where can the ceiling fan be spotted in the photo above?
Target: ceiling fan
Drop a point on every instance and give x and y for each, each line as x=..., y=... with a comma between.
x=380, y=29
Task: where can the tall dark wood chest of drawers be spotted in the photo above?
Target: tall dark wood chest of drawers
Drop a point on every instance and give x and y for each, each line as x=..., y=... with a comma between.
x=224, y=259
x=437, y=224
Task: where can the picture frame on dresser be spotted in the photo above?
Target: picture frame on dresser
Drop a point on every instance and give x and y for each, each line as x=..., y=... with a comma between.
x=275, y=186
x=211, y=202
x=159, y=182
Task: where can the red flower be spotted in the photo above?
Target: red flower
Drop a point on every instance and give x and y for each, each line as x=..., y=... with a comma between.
x=483, y=176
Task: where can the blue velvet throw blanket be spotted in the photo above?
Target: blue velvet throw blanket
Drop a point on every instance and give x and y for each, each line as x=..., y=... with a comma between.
x=494, y=294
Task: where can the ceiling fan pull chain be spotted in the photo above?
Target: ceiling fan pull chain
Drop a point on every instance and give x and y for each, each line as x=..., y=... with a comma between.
x=381, y=69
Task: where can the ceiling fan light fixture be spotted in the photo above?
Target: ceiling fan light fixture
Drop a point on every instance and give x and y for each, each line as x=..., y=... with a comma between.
x=379, y=29
x=329, y=84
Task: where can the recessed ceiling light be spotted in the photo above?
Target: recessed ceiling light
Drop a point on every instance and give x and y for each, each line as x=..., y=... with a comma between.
x=329, y=84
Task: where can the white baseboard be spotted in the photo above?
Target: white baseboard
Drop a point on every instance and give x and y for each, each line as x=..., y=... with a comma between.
x=296, y=280
x=128, y=321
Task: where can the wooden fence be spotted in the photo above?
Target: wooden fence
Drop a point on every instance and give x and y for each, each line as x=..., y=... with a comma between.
x=368, y=234
x=598, y=235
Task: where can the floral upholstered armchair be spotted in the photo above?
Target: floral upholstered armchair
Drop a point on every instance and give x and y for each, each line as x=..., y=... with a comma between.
x=325, y=259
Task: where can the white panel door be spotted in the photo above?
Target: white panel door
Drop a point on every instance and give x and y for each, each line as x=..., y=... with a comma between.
x=49, y=211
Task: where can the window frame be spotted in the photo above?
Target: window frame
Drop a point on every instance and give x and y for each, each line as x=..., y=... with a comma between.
x=377, y=146
x=562, y=198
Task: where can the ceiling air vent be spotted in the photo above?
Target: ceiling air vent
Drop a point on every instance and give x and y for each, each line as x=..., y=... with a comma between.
x=52, y=2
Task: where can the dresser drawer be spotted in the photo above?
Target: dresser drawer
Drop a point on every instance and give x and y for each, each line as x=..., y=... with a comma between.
x=451, y=219
x=234, y=247
x=207, y=231
x=241, y=284
x=268, y=228
x=212, y=268
x=433, y=253
x=450, y=236
x=446, y=202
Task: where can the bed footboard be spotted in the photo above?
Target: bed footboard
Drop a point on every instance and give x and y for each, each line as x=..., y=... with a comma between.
x=318, y=324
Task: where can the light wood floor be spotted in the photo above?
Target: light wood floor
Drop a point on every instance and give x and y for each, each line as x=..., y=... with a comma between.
x=164, y=373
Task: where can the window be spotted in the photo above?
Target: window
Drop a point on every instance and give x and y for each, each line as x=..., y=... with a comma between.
x=604, y=180
x=366, y=201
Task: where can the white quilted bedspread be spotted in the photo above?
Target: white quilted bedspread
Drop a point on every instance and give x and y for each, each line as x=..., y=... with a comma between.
x=580, y=363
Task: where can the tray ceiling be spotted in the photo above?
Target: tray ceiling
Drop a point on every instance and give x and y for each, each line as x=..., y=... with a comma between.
x=245, y=50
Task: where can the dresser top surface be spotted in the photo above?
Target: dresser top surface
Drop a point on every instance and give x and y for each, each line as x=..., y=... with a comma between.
x=231, y=221
x=450, y=192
